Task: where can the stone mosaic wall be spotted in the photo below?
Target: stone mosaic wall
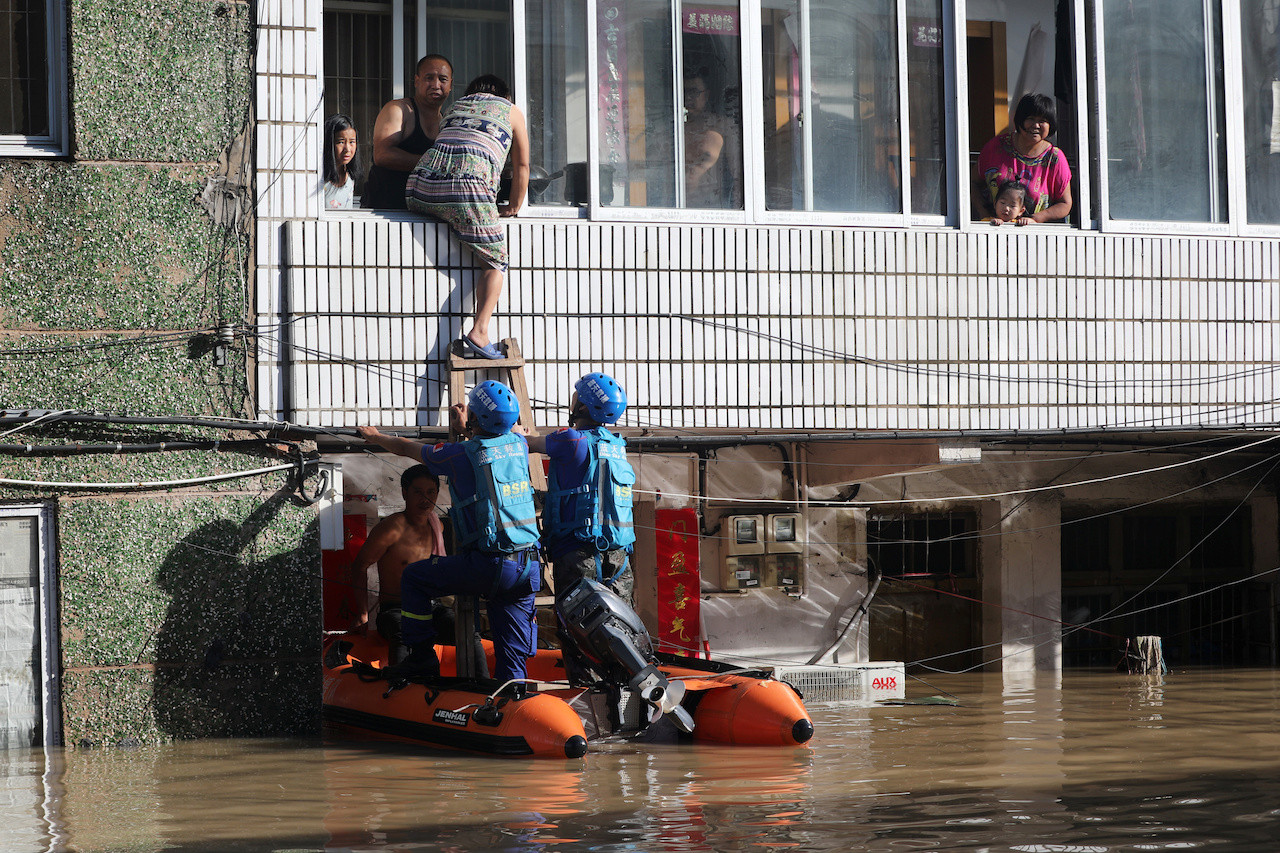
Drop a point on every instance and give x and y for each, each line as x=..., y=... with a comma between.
x=187, y=612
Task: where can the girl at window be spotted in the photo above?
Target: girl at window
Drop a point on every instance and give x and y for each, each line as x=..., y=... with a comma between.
x=1011, y=204
x=340, y=169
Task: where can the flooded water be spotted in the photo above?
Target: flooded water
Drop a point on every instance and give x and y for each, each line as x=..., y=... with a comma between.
x=1088, y=762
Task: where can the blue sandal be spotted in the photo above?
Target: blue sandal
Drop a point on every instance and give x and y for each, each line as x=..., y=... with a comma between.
x=491, y=351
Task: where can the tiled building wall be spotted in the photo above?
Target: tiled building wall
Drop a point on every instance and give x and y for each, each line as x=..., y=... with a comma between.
x=800, y=328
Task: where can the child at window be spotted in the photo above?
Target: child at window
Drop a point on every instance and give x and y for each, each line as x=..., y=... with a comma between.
x=340, y=169
x=1011, y=204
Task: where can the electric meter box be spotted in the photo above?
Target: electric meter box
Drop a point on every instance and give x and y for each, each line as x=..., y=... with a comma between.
x=784, y=571
x=744, y=534
x=743, y=572
x=785, y=533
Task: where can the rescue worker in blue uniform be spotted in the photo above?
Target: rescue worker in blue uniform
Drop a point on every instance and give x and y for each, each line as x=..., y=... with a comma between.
x=495, y=532
x=587, y=517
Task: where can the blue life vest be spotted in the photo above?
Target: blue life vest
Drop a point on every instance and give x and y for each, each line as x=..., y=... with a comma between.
x=500, y=516
x=601, y=513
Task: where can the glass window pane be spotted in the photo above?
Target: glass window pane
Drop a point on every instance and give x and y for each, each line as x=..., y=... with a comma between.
x=24, y=69
x=1166, y=152
x=643, y=162
x=783, y=148
x=1260, y=46
x=475, y=35
x=711, y=45
x=853, y=121
x=637, y=106
x=926, y=113
x=20, y=707
x=557, y=101
x=855, y=106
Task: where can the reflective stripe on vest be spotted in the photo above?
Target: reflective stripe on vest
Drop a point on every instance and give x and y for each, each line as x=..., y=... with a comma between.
x=500, y=516
x=407, y=615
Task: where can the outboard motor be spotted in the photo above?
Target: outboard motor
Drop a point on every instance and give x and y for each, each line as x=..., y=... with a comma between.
x=613, y=640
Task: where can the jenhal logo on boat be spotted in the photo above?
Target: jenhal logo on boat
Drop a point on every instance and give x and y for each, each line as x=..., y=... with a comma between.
x=453, y=718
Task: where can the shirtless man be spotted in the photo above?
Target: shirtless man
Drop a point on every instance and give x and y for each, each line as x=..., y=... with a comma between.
x=404, y=130
x=395, y=542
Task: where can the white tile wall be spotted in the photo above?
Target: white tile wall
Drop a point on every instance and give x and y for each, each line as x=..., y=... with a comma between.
x=764, y=334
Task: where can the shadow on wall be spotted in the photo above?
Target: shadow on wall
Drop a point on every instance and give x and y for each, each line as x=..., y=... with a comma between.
x=238, y=654
x=457, y=263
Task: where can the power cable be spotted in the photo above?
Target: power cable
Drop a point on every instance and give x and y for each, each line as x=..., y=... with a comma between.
x=955, y=374
x=146, y=485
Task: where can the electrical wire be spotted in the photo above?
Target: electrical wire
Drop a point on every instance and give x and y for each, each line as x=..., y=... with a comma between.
x=987, y=496
x=985, y=377
x=146, y=485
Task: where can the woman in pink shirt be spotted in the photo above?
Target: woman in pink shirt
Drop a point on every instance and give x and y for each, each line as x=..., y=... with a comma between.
x=1026, y=155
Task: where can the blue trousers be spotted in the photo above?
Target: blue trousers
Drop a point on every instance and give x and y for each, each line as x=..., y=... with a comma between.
x=508, y=581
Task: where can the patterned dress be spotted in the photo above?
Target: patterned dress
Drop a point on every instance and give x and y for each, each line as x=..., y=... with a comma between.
x=457, y=180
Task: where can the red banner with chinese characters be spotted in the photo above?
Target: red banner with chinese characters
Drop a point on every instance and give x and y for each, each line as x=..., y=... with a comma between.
x=679, y=614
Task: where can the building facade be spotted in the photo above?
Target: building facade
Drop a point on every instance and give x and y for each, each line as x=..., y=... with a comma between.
x=153, y=586
x=997, y=421
x=1029, y=443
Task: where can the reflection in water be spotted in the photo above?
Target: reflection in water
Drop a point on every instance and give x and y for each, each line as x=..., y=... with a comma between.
x=1079, y=762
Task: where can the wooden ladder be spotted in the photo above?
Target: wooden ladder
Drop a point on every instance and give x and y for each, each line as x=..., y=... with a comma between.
x=513, y=372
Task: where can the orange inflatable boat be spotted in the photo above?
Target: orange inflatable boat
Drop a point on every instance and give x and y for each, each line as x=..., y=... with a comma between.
x=727, y=705
x=466, y=714
x=631, y=689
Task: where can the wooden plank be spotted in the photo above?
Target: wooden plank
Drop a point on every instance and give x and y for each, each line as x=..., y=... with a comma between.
x=537, y=476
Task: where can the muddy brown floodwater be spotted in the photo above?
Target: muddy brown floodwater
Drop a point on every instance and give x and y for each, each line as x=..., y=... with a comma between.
x=1085, y=762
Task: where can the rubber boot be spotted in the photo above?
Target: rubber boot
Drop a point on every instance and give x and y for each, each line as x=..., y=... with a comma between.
x=421, y=662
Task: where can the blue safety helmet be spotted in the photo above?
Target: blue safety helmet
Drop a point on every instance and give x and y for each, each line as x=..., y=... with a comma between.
x=495, y=407
x=604, y=398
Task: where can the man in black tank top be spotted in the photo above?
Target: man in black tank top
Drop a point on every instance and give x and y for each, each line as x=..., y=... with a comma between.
x=404, y=130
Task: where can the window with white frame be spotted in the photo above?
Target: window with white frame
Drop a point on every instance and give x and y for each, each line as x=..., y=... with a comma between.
x=556, y=95
x=670, y=104
x=831, y=117
x=28, y=652
x=32, y=93
x=1260, y=62
x=372, y=48
x=848, y=111
x=1164, y=124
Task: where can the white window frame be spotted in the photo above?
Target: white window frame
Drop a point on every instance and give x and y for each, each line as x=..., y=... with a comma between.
x=752, y=70
x=597, y=212
x=399, y=72
x=1237, y=174
x=54, y=144
x=1090, y=111
x=47, y=609
x=1085, y=115
x=1107, y=223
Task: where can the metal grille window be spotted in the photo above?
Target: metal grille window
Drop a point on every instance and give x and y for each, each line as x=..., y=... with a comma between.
x=31, y=89
x=372, y=48
x=359, y=67
x=924, y=545
x=1165, y=573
